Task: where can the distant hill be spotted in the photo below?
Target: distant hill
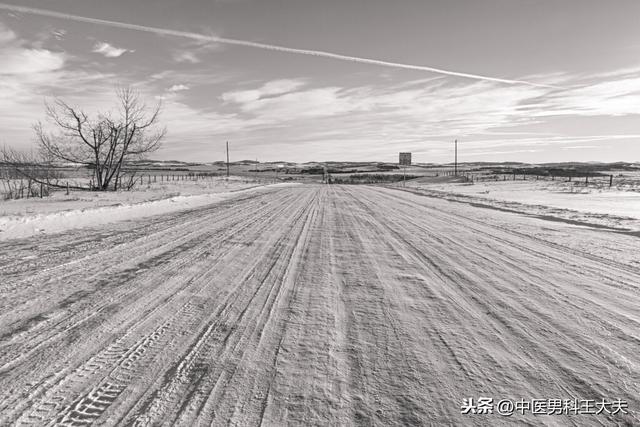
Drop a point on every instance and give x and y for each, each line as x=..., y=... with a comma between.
x=376, y=165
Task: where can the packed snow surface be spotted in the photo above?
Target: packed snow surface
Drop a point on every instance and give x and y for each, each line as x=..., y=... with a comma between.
x=317, y=305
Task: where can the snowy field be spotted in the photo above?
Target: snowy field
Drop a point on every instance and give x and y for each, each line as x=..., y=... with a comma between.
x=596, y=204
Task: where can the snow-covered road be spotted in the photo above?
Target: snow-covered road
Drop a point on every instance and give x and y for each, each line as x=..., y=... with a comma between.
x=317, y=305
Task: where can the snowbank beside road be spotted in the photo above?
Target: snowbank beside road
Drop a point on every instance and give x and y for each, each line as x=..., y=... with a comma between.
x=20, y=226
x=60, y=201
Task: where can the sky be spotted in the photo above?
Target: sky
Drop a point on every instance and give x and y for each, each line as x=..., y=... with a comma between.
x=353, y=80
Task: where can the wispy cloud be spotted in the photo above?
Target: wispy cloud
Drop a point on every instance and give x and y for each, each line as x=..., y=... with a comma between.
x=109, y=50
x=269, y=89
x=178, y=88
x=6, y=34
x=186, y=56
x=30, y=61
x=192, y=51
x=18, y=59
x=265, y=46
x=470, y=107
x=59, y=34
x=612, y=98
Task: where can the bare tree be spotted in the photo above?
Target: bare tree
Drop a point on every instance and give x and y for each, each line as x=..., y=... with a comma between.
x=104, y=143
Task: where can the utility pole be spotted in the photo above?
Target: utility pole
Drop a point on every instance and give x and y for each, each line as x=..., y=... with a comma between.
x=255, y=174
x=404, y=176
x=227, y=160
x=455, y=164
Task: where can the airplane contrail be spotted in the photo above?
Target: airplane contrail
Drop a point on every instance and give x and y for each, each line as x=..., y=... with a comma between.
x=246, y=43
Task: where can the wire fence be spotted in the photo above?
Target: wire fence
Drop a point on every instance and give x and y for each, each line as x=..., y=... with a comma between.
x=16, y=187
x=618, y=181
